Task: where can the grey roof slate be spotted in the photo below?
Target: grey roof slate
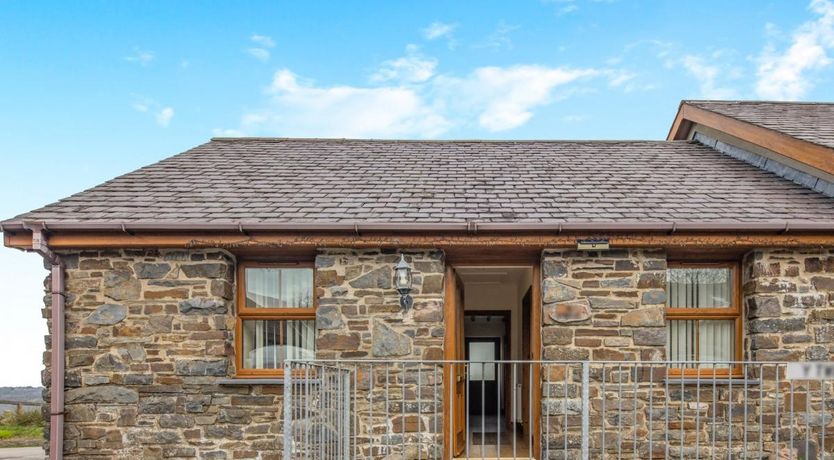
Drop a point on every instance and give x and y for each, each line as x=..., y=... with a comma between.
x=319, y=180
x=809, y=121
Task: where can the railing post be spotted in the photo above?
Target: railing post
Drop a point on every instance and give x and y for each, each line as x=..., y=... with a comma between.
x=586, y=409
x=346, y=414
x=287, y=409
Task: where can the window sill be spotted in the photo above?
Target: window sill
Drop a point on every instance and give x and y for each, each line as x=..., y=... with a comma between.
x=241, y=381
x=251, y=381
x=710, y=381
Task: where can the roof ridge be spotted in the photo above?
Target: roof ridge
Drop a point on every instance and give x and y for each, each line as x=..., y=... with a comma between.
x=754, y=101
x=480, y=141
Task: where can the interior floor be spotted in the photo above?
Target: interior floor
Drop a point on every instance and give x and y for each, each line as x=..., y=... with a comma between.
x=484, y=439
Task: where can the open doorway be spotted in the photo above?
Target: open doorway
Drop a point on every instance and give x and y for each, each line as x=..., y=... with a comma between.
x=495, y=303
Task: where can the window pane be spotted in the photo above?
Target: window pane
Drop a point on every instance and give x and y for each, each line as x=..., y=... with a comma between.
x=482, y=351
x=267, y=343
x=701, y=340
x=699, y=288
x=279, y=287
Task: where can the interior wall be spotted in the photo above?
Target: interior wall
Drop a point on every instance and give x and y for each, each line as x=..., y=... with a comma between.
x=504, y=295
x=479, y=327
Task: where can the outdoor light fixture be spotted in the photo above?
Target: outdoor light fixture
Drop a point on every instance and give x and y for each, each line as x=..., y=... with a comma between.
x=402, y=280
x=596, y=244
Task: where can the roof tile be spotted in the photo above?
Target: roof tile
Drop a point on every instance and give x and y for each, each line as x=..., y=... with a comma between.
x=315, y=180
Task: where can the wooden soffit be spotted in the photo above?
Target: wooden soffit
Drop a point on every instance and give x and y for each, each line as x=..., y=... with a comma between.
x=530, y=242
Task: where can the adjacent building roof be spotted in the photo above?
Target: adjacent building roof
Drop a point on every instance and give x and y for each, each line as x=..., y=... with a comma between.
x=808, y=121
x=268, y=180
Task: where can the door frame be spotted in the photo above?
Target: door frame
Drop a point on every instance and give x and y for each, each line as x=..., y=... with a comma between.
x=451, y=343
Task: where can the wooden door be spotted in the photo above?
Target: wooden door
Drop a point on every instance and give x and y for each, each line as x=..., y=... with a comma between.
x=454, y=374
x=526, y=354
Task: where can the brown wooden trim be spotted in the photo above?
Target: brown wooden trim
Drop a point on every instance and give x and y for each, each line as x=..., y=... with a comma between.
x=299, y=314
x=449, y=354
x=275, y=242
x=705, y=373
x=732, y=312
x=811, y=154
x=254, y=314
x=679, y=125
x=702, y=313
x=536, y=351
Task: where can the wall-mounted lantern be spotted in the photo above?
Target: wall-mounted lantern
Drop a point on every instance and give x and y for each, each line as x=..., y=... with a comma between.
x=402, y=281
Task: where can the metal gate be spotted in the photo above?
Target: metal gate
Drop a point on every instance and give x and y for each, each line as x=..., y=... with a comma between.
x=585, y=410
x=317, y=408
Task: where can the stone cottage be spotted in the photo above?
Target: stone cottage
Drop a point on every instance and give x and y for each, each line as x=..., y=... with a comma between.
x=328, y=298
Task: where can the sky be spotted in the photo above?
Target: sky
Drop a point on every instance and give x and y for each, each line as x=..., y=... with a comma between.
x=91, y=90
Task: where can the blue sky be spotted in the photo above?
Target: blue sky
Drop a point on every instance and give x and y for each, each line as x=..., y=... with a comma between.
x=92, y=90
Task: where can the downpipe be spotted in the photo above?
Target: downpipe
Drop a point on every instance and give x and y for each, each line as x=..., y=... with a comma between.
x=56, y=388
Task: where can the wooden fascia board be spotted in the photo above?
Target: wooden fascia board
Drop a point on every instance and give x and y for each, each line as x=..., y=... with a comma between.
x=813, y=155
x=278, y=241
x=680, y=127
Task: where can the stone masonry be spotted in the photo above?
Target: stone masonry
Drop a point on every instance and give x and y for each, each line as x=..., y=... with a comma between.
x=359, y=314
x=149, y=332
x=609, y=306
x=597, y=306
x=360, y=318
x=604, y=305
x=789, y=298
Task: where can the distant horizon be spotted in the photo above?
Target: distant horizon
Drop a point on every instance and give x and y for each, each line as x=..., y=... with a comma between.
x=97, y=89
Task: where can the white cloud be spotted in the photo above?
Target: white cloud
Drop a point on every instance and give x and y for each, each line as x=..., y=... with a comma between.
x=263, y=40
x=500, y=37
x=300, y=108
x=164, y=116
x=707, y=76
x=438, y=29
x=411, y=68
x=789, y=75
x=493, y=98
x=140, y=56
x=141, y=105
x=565, y=6
x=501, y=99
x=406, y=97
x=262, y=46
x=259, y=54
x=575, y=118
x=618, y=78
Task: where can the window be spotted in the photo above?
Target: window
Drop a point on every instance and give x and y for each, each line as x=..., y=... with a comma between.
x=703, y=318
x=276, y=317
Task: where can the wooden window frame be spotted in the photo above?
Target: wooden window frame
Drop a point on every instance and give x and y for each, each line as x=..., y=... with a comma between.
x=280, y=314
x=731, y=312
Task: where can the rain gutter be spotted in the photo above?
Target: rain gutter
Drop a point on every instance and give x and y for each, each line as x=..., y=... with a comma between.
x=471, y=227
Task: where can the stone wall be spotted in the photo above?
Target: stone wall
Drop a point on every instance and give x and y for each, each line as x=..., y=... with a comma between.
x=360, y=317
x=359, y=314
x=609, y=306
x=149, y=332
x=604, y=305
x=789, y=298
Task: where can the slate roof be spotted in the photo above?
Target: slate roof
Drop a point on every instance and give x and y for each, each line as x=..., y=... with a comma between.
x=257, y=180
x=809, y=121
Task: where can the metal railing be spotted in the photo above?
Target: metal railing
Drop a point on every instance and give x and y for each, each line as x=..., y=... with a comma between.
x=346, y=409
